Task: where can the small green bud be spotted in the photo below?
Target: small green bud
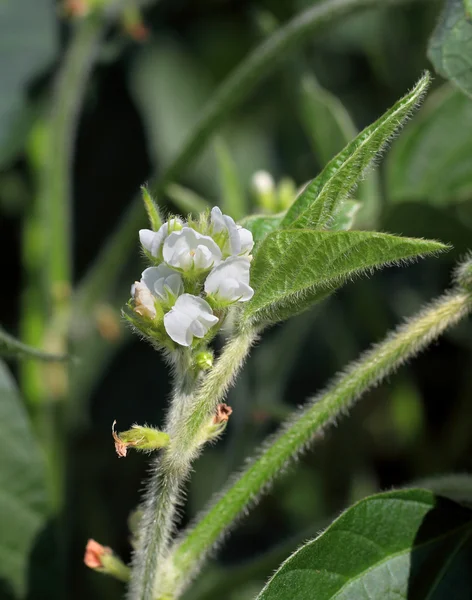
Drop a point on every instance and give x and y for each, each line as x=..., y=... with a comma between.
x=140, y=438
x=286, y=192
x=204, y=360
x=151, y=209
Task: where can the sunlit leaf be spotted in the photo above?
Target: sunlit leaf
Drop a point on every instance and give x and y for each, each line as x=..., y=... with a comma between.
x=296, y=266
x=403, y=545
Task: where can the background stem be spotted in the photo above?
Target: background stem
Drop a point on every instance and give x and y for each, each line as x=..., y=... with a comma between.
x=302, y=429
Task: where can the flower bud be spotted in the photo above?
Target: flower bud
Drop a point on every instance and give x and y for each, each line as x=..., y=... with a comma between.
x=204, y=360
x=264, y=190
x=286, y=192
x=140, y=438
x=101, y=558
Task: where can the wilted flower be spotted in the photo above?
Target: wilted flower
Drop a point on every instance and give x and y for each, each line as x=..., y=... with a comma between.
x=229, y=281
x=94, y=553
x=143, y=300
x=190, y=317
x=187, y=249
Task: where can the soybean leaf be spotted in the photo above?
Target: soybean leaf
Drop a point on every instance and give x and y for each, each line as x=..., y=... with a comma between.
x=233, y=201
x=402, y=544
x=10, y=346
x=450, y=46
x=319, y=200
x=28, y=42
x=344, y=217
x=23, y=498
x=261, y=225
x=432, y=159
x=294, y=268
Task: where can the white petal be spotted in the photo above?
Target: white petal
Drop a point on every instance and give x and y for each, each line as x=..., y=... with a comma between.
x=190, y=316
x=217, y=220
x=246, y=239
x=180, y=249
x=203, y=258
x=146, y=237
x=230, y=280
x=178, y=327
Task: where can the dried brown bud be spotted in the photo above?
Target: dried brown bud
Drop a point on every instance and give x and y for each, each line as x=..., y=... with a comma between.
x=140, y=438
x=223, y=412
x=94, y=553
x=120, y=446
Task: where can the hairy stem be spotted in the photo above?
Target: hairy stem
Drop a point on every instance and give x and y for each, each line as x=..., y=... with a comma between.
x=190, y=411
x=231, y=93
x=301, y=430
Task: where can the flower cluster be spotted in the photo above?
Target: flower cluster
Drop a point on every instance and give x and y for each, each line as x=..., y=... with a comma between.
x=200, y=269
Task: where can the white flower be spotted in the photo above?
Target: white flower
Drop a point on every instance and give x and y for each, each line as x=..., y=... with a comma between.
x=163, y=282
x=229, y=281
x=186, y=249
x=239, y=240
x=263, y=182
x=143, y=300
x=190, y=317
x=152, y=240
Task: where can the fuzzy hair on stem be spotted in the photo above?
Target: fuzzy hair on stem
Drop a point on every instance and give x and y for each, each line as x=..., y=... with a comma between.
x=192, y=407
x=299, y=433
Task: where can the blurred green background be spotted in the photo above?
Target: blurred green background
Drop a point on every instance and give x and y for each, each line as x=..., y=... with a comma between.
x=139, y=102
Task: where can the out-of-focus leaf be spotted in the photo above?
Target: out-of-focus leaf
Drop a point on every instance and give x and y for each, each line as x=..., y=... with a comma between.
x=10, y=346
x=232, y=200
x=23, y=497
x=405, y=544
x=450, y=47
x=432, y=159
x=187, y=201
x=28, y=44
x=455, y=486
x=261, y=225
x=294, y=268
x=320, y=199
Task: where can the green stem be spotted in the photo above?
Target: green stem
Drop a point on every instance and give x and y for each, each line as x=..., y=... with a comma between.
x=190, y=411
x=231, y=93
x=303, y=429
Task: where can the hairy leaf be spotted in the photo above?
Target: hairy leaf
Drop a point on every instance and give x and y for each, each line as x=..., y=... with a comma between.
x=317, y=203
x=450, y=47
x=261, y=225
x=344, y=217
x=292, y=266
x=432, y=159
x=403, y=545
x=23, y=501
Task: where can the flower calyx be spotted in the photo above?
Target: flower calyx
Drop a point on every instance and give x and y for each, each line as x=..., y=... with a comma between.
x=139, y=437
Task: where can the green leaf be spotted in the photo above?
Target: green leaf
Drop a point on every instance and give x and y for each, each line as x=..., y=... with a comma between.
x=320, y=199
x=404, y=544
x=293, y=267
x=10, y=346
x=432, y=160
x=29, y=42
x=261, y=225
x=233, y=202
x=23, y=497
x=450, y=47
x=344, y=218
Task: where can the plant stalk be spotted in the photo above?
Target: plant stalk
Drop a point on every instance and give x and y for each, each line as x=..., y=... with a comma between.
x=301, y=430
x=192, y=408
